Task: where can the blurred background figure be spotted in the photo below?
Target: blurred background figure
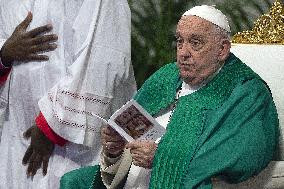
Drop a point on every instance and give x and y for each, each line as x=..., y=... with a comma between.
x=62, y=62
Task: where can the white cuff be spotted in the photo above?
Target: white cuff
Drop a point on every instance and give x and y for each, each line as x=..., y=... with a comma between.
x=2, y=66
x=110, y=165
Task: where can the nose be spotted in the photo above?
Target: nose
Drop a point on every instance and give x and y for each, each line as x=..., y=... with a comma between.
x=183, y=52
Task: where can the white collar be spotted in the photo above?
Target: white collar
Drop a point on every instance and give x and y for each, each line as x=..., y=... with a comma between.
x=187, y=89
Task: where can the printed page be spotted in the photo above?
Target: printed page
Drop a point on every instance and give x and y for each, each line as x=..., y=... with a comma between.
x=134, y=123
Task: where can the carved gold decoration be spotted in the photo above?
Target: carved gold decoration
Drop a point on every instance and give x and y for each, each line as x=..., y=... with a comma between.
x=268, y=29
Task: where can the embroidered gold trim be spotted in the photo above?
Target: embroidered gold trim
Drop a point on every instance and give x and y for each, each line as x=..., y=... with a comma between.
x=268, y=29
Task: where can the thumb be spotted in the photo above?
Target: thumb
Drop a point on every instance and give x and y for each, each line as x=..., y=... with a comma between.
x=132, y=145
x=27, y=133
x=26, y=22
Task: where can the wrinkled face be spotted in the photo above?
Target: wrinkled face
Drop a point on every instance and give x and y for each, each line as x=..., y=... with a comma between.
x=199, y=49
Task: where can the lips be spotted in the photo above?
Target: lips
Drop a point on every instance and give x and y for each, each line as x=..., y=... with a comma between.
x=185, y=66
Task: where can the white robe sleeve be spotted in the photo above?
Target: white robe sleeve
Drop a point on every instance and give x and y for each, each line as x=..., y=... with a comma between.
x=115, y=170
x=2, y=41
x=99, y=80
x=3, y=97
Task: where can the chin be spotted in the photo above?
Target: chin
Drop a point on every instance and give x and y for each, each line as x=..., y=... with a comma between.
x=183, y=77
x=184, y=73
x=193, y=82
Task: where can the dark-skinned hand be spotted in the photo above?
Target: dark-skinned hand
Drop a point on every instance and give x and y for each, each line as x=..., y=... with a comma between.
x=26, y=46
x=39, y=151
x=113, y=143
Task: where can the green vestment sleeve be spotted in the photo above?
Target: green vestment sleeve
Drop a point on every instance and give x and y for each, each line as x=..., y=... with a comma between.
x=238, y=140
x=83, y=178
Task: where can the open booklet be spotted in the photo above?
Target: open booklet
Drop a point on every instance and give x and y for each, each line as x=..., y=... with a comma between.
x=133, y=122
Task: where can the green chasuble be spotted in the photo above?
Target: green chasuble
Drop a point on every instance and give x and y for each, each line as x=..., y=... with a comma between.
x=228, y=128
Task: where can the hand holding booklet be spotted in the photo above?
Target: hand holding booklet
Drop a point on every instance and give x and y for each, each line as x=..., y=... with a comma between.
x=133, y=122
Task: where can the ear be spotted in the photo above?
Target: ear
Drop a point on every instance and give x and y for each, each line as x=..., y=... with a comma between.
x=224, y=49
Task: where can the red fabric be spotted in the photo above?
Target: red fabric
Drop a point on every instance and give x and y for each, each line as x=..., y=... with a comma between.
x=4, y=77
x=49, y=133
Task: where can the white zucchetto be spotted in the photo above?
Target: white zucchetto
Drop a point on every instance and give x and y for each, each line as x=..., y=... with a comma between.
x=211, y=14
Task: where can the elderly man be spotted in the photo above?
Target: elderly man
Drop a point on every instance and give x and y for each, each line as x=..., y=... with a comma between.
x=87, y=73
x=219, y=115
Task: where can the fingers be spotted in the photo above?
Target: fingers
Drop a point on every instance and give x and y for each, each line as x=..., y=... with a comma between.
x=32, y=157
x=112, y=142
x=26, y=22
x=141, y=161
x=145, y=144
x=136, y=151
x=113, y=145
x=45, y=161
x=34, y=164
x=43, y=39
x=142, y=152
x=108, y=130
x=36, y=57
x=28, y=132
x=110, y=138
x=27, y=155
x=135, y=144
x=137, y=162
x=43, y=48
x=39, y=30
x=109, y=134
